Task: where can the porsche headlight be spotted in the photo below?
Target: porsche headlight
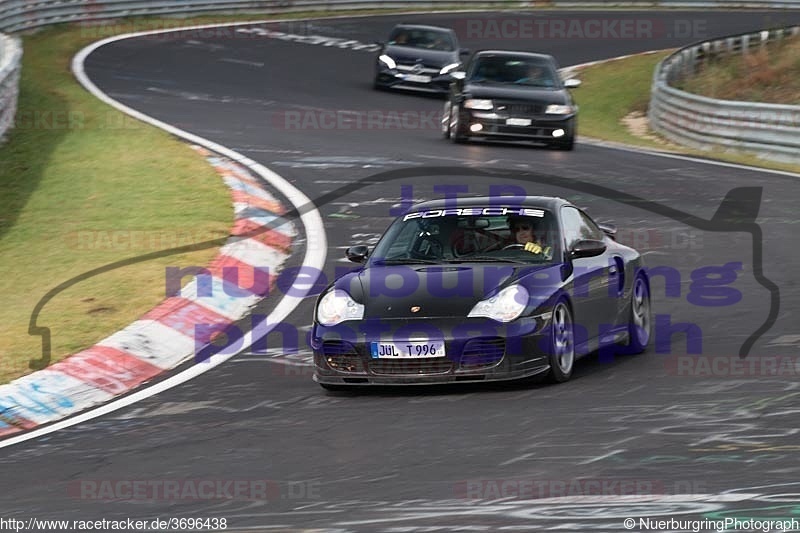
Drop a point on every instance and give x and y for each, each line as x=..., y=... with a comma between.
x=505, y=306
x=448, y=68
x=337, y=306
x=388, y=61
x=477, y=103
x=558, y=109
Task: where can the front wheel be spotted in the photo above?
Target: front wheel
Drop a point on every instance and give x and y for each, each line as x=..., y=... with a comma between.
x=458, y=131
x=446, y=120
x=562, y=343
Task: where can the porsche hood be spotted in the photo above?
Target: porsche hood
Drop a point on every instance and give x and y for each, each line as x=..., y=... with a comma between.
x=427, y=291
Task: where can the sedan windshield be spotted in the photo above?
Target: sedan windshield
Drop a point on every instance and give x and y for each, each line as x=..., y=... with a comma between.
x=473, y=234
x=527, y=72
x=425, y=39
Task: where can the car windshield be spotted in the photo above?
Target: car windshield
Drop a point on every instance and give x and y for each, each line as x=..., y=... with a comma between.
x=479, y=234
x=532, y=72
x=425, y=39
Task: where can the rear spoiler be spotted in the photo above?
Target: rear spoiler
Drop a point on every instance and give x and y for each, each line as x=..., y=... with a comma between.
x=609, y=229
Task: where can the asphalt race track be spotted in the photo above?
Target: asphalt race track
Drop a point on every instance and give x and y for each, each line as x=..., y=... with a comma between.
x=686, y=431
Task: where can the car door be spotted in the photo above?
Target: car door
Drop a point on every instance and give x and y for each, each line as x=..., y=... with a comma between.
x=592, y=277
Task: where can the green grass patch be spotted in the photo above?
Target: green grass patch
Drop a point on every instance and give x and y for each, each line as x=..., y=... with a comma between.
x=610, y=92
x=770, y=74
x=77, y=180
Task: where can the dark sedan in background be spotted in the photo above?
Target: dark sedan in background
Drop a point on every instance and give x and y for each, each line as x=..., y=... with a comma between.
x=512, y=96
x=449, y=294
x=418, y=58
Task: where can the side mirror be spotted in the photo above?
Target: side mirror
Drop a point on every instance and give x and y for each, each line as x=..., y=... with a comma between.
x=609, y=229
x=357, y=254
x=587, y=248
x=458, y=75
x=463, y=51
x=572, y=83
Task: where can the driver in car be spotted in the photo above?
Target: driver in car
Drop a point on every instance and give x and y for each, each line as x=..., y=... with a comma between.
x=523, y=234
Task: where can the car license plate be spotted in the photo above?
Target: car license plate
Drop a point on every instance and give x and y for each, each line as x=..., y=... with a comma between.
x=407, y=350
x=418, y=78
x=518, y=122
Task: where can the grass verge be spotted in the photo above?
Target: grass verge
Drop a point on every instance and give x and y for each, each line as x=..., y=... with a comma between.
x=771, y=75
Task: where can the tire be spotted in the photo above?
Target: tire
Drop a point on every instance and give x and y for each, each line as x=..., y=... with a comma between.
x=446, y=119
x=457, y=131
x=640, y=321
x=567, y=145
x=562, y=343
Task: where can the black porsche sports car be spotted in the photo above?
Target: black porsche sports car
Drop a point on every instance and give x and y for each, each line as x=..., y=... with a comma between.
x=512, y=96
x=418, y=58
x=449, y=294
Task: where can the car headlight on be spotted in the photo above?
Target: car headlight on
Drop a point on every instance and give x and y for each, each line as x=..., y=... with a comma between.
x=448, y=68
x=558, y=109
x=388, y=61
x=505, y=306
x=476, y=103
x=337, y=306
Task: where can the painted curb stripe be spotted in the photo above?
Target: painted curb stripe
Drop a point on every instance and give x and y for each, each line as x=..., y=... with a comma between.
x=256, y=279
x=152, y=341
x=269, y=220
x=221, y=297
x=19, y=424
x=106, y=368
x=246, y=188
x=243, y=197
x=47, y=395
x=270, y=237
x=254, y=253
x=185, y=315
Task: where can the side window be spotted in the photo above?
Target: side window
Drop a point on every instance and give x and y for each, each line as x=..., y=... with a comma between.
x=590, y=229
x=571, y=222
x=578, y=226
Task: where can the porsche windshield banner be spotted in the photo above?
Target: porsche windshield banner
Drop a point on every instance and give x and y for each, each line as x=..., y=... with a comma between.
x=477, y=211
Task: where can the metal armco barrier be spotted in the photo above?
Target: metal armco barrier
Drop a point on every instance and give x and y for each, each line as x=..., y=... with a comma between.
x=771, y=131
x=10, y=64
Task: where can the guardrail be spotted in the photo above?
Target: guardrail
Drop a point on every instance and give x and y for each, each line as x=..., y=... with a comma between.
x=10, y=64
x=772, y=131
x=18, y=15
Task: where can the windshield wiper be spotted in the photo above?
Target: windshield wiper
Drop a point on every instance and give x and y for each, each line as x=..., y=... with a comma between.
x=487, y=259
x=407, y=261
